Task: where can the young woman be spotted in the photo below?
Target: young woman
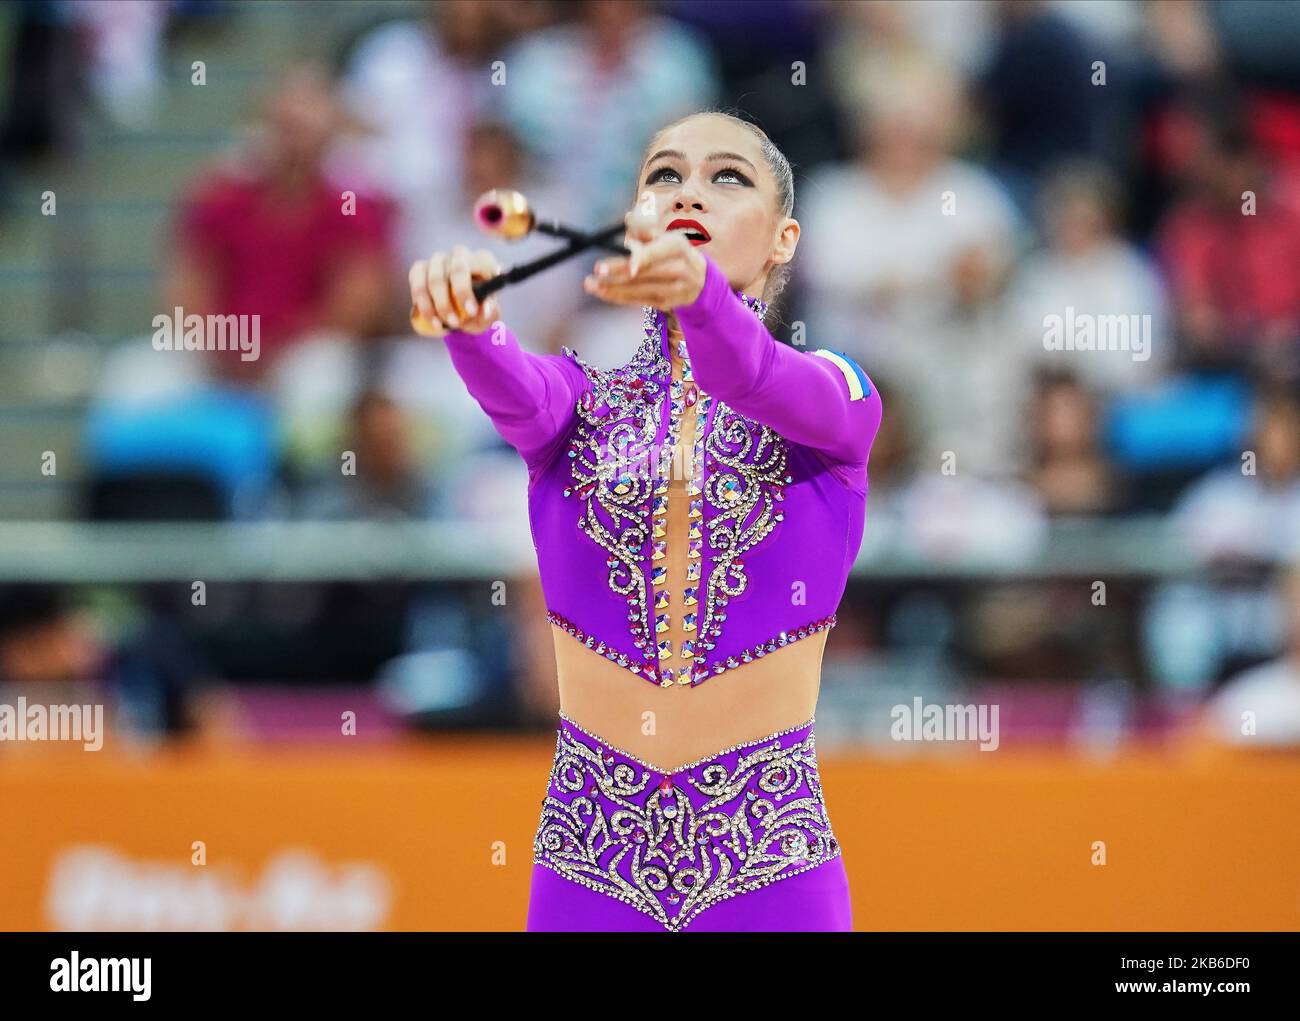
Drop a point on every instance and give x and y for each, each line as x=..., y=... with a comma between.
x=695, y=513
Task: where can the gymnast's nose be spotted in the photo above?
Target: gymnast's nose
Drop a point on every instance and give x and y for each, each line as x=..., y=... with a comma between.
x=686, y=198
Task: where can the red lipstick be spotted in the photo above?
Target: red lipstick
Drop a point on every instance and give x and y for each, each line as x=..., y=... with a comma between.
x=694, y=231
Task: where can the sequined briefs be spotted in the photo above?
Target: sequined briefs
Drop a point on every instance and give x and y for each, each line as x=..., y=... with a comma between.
x=673, y=843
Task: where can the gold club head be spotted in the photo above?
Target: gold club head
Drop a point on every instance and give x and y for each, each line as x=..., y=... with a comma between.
x=504, y=212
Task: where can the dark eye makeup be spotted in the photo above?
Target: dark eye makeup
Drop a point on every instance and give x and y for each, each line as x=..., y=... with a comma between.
x=657, y=175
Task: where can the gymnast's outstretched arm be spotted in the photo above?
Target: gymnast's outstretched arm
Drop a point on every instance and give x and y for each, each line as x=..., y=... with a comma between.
x=530, y=398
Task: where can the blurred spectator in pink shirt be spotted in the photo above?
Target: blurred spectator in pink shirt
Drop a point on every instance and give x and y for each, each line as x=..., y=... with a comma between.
x=271, y=234
x=1231, y=246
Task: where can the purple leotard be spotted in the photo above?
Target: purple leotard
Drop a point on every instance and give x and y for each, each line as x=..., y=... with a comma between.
x=776, y=514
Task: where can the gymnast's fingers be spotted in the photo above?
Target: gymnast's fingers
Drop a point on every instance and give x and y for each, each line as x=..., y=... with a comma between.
x=665, y=249
x=418, y=278
x=642, y=222
x=660, y=268
x=439, y=290
x=658, y=294
x=459, y=282
x=484, y=265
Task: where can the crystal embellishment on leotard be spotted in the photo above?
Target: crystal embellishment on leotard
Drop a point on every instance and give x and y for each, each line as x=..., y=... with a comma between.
x=744, y=487
x=684, y=397
x=620, y=465
x=730, y=663
x=673, y=843
x=609, y=457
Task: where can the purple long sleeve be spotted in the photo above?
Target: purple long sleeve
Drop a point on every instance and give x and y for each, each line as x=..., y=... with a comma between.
x=530, y=398
x=804, y=398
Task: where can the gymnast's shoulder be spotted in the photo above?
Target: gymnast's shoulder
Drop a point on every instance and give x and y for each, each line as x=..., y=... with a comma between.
x=859, y=384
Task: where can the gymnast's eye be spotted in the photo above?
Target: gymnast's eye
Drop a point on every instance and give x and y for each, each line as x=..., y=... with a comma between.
x=658, y=175
x=733, y=172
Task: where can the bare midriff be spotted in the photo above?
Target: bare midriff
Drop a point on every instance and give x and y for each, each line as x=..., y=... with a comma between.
x=671, y=725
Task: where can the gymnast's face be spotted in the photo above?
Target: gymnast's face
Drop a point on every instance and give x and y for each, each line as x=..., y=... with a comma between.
x=712, y=171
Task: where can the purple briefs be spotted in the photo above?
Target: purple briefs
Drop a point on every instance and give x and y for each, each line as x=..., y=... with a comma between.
x=738, y=841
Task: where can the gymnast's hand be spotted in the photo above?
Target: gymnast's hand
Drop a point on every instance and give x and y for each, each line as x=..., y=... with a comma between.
x=442, y=297
x=663, y=271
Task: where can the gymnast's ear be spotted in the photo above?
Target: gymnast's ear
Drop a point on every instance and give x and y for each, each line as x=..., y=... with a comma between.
x=787, y=240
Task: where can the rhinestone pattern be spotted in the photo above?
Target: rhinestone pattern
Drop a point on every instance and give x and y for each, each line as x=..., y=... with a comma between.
x=748, y=655
x=620, y=461
x=613, y=463
x=686, y=399
x=673, y=843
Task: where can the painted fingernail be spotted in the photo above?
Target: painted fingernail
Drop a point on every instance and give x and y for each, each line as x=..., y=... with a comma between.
x=472, y=307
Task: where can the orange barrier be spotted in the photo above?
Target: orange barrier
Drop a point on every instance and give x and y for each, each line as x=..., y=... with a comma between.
x=438, y=836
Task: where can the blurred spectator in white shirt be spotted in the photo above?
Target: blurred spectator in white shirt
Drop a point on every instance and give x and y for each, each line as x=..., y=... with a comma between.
x=1261, y=706
x=1240, y=517
x=901, y=257
x=420, y=84
x=871, y=43
x=586, y=97
x=125, y=50
x=1251, y=509
x=1088, y=270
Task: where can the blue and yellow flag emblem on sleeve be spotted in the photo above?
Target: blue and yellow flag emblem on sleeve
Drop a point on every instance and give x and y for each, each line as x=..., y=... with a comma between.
x=859, y=385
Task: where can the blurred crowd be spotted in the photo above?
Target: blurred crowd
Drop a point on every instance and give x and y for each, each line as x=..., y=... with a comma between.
x=1062, y=237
